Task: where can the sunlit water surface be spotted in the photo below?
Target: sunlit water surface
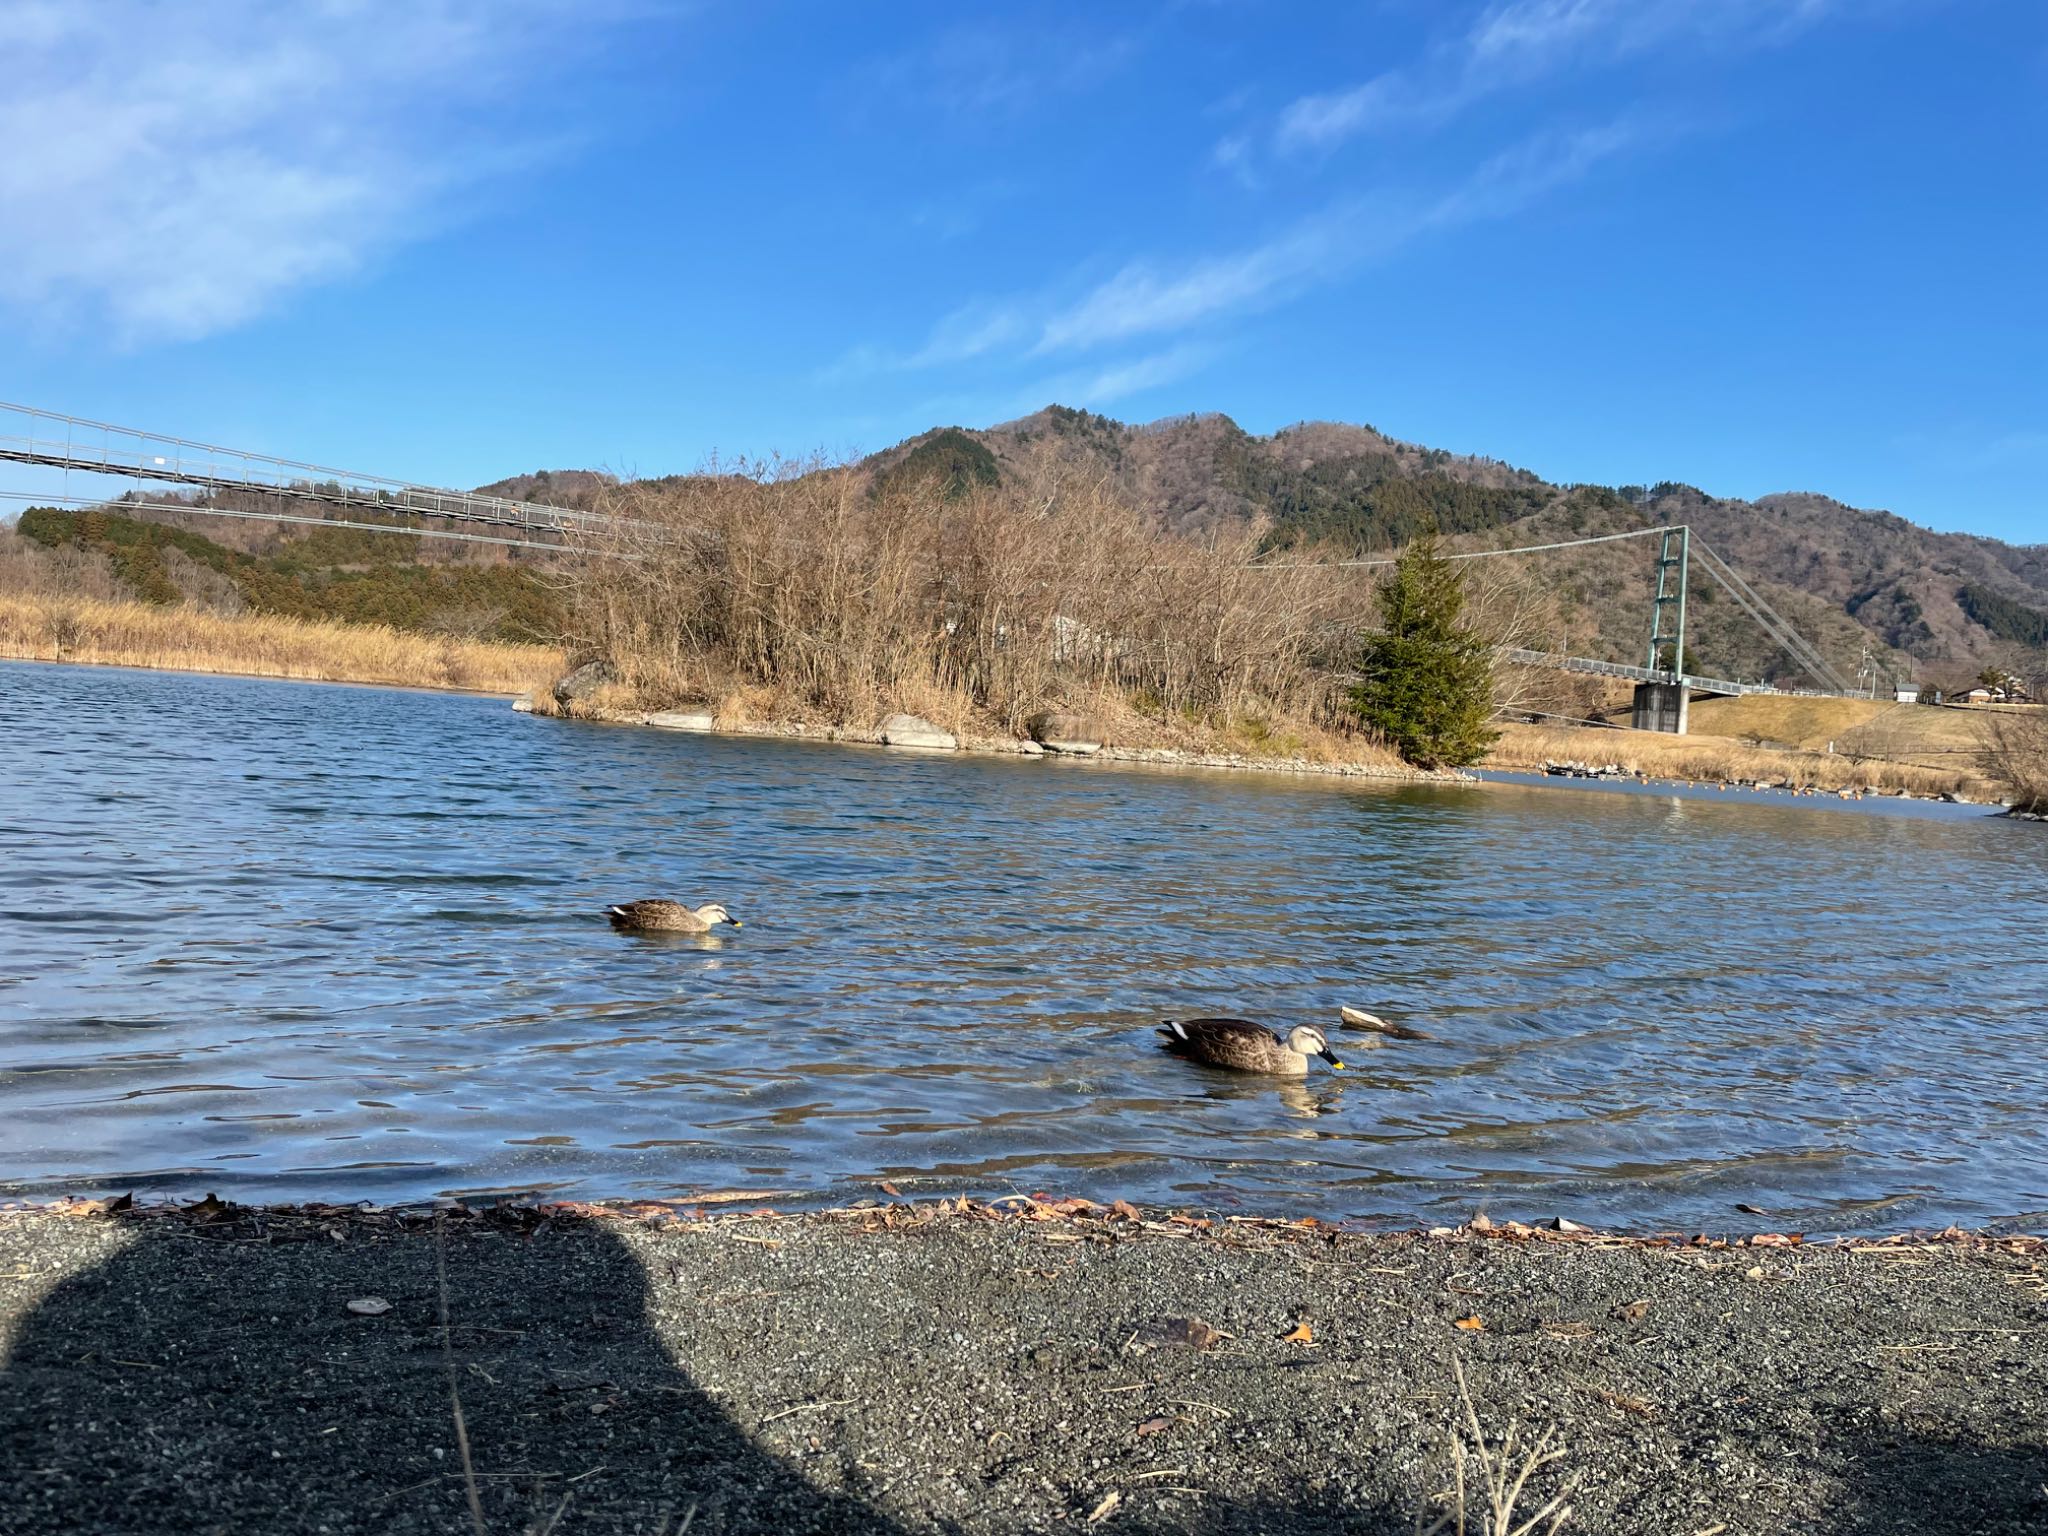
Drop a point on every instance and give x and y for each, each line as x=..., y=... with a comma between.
x=291, y=942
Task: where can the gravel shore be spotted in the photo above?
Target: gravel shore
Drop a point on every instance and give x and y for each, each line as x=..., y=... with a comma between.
x=917, y=1369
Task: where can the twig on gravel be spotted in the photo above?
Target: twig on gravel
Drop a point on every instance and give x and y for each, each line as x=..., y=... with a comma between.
x=1504, y=1476
x=836, y=1402
x=476, y=1503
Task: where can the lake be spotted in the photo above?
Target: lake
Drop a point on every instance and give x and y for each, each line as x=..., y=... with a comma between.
x=291, y=942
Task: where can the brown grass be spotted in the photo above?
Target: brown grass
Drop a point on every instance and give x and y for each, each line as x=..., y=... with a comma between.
x=2016, y=758
x=825, y=599
x=183, y=639
x=1721, y=760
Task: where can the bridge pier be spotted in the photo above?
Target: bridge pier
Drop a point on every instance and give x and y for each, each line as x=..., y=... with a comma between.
x=1661, y=707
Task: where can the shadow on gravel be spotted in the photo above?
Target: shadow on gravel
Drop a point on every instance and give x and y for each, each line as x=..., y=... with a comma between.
x=211, y=1378
x=1935, y=1485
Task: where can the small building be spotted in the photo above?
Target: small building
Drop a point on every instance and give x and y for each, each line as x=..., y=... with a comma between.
x=1977, y=695
x=1901, y=694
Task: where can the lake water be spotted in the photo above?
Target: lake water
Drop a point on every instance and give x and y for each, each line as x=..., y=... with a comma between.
x=292, y=942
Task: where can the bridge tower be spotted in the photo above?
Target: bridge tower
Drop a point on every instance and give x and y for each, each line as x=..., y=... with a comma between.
x=1663, y=706
x=1673, y=557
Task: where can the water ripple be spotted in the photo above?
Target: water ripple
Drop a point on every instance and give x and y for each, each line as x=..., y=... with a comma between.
x=259, y=937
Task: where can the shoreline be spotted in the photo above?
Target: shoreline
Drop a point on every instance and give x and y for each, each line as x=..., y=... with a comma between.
x=1163, y=757
x=1032, y=1366
x=263, y=677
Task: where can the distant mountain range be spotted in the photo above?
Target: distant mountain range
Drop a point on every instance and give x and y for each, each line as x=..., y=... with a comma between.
x=1931, y=606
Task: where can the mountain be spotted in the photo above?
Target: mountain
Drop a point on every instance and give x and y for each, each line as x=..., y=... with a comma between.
x=1930, y=606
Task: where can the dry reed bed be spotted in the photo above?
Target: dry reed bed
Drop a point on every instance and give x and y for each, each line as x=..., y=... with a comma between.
x=827, y=597
x=184, y=639
x=1715, y=759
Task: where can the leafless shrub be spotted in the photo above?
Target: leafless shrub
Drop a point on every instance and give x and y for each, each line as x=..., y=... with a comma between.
x=813, y=591
x=2015, y=757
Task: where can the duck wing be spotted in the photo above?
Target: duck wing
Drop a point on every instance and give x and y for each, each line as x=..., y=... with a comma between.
x=651, y=913
x=1224, y=1040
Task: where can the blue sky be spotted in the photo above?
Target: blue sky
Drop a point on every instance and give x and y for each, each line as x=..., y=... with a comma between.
x=1751, y=244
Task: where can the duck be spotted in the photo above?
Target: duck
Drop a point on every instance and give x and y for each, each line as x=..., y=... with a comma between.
x=1242, y=1046
x=658, y=916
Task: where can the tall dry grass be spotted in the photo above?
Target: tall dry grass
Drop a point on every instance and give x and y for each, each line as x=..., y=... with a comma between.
x=815, y=593
x=1720, y=760
x=2016, y=757
x=50, y=628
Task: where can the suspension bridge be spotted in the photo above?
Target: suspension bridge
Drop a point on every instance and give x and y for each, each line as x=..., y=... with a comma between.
x=233, y=482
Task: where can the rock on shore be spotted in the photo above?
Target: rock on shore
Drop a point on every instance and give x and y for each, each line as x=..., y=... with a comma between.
x=910, y=731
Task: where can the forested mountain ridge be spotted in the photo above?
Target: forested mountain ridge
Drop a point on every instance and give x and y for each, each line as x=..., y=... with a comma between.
x=1934, y=605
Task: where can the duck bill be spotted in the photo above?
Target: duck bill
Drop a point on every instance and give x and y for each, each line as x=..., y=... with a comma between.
x=736, y=922
x=1335, y=1064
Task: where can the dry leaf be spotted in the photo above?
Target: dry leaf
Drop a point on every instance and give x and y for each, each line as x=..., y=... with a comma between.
x=1749, y=1210
x=732, y=1196
x=1481, y=1223
x=1102, y=1510
x=1566, y=1224
x=890, y=1189
x=1125, y=1209
x=1302, y=1334
x=369, y=1306
x=1631, y=1311
x=1191, y=1331
x=1470, y=1324
x=1154, y=1425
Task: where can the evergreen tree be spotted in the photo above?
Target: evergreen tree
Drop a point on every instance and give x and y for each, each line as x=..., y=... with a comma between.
x=1425, y=679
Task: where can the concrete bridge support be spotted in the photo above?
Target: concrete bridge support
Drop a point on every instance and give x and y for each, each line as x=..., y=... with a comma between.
x=1661, y=707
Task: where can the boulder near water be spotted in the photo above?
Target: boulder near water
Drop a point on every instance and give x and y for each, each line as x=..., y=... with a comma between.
x=1061, y=731
x=910, y=731
x=581, y=682
x=698, y=717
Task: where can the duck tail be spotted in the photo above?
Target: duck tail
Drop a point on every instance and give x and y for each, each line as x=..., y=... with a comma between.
x=1176, y=1037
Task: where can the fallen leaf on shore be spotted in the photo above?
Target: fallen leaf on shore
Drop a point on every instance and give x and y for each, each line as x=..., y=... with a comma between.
x=890, y=1189
x=1566, y=1224
x=1472, y=1324
x=1102, y=1510
x=1631, y=1311
x=119, y=1204
x=1155, y=1424
x=1303, y=1334
x=734, y=1196
x=369, y=1306
x=1481, y=1223
x=1191, y=1331
x=1126, y=1210
x=1750, y=1210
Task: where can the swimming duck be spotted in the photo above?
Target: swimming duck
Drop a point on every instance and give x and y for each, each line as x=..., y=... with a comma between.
x=657, y=916
x=1243, y=1046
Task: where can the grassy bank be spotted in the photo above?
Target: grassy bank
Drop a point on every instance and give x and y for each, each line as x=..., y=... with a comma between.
x=1728, y=760
x=918, y=1368
x=40, y=628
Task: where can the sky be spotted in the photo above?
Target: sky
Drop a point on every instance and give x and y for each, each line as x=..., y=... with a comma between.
x=1752, y=245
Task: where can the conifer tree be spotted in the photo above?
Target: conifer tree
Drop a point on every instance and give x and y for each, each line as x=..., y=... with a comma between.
x=1425, y=679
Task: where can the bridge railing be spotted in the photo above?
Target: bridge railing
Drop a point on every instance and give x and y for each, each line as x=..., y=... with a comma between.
x=1561, y=662
x=30, y=436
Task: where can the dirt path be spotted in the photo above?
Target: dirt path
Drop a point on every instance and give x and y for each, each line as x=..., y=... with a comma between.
x=912, y=1371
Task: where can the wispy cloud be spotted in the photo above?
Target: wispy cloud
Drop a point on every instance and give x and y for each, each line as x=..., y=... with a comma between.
x=1520, y=41
x=1175, y=307
x=988, y=69
x=1151, y=298
x=170, y=176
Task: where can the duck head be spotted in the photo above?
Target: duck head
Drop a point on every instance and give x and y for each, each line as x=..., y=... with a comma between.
x=1310, y=1041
